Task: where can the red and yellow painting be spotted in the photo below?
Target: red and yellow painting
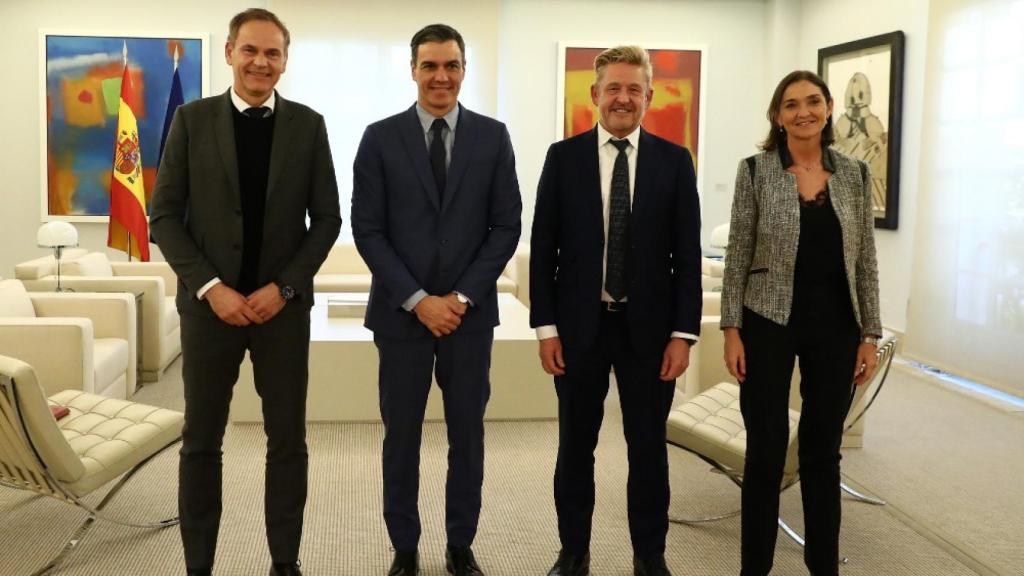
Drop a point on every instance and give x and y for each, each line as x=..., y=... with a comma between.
x=674, y=113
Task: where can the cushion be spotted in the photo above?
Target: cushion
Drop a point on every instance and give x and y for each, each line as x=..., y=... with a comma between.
x=14, y=300
x=112, y=435
x=713, y=268
x=110, y=360
x=92, y=264
x=711, y=424
x=171, y=318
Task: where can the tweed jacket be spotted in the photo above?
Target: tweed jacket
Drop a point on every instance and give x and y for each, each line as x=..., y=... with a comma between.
x=765, y=231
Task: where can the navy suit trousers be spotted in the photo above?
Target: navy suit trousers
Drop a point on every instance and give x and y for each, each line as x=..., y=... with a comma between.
x=645, y=401
x=461, y=363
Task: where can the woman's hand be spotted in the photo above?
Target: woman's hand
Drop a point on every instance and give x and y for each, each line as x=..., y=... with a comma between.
x=867, y=360
x=735, y=358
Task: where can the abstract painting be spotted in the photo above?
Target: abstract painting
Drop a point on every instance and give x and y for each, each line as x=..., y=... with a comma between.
x=80, y=86
x=679, y=83
x=865, y=78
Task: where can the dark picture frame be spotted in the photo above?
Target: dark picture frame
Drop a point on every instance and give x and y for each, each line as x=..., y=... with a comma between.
x=866, y=80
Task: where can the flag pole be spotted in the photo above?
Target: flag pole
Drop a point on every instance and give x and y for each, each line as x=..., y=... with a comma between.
x=124, y=56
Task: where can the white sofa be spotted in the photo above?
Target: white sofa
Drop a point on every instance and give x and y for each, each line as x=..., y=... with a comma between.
x=345, y=271
x=85, y=271
x=76, y=341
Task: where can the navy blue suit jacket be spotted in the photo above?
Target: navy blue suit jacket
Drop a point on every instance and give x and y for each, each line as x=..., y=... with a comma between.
x=411, y=240
x=568, y=244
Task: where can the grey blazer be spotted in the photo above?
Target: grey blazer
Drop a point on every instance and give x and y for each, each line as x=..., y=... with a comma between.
x=765, y=231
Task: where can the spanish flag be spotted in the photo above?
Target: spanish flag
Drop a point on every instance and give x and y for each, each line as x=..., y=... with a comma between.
x=129, y=230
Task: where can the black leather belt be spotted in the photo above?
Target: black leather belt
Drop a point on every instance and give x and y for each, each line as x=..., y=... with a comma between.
x=614, y=306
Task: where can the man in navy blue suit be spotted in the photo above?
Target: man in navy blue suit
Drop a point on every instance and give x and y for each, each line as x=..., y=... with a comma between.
x=435, y=215
x=615, y=283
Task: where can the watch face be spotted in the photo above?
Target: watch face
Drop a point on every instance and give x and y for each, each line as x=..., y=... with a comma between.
x=287, y=292
x=462, y=299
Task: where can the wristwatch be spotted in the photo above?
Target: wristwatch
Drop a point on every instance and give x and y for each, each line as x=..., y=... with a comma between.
x=870, y=339
x=461, y=298
x=287, y=292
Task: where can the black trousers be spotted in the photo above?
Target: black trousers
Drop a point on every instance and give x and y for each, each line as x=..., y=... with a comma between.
x=827, y=351
x=645, y=400
x=461, y=362
x=211, y=354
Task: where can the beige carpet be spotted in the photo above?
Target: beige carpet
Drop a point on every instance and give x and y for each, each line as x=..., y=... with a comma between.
x=345, y=534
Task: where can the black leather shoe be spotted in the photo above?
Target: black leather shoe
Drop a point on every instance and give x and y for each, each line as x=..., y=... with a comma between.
x=653, y=565
x=459, y=560
x=199, y=572
x=571, y=564
x=286, y=569
x=404, y=564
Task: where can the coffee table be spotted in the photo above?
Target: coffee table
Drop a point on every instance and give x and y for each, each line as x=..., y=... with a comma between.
x=343, y=364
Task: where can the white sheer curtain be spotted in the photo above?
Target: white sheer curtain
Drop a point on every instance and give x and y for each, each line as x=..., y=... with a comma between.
x=351, y=63
x=966, y=310
x=354, y=84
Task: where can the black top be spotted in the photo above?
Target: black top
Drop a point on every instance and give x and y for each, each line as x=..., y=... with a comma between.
x=820, y=290
x=253, y=139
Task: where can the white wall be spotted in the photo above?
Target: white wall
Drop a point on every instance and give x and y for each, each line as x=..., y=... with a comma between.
x=829, y=22
x=732, y=30
x=20, y=115
x=350, y=62
x=513, y=45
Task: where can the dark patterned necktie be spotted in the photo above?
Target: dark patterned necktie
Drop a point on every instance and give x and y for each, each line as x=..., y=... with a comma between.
x=257, y=112
x=437, y=156
x=616, y=267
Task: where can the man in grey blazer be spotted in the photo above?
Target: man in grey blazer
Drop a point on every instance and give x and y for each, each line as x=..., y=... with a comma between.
x=435, y=215
x=239, y=174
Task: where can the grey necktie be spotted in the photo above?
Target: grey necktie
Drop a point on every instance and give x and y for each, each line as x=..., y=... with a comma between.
x=616, y=277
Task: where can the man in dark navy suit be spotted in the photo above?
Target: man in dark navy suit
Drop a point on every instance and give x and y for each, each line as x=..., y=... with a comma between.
x=435, y=215
x=615, y=283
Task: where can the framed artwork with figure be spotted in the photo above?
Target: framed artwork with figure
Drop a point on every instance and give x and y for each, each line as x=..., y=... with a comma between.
x=79, y=90
x=677, y=109
x=866, y=81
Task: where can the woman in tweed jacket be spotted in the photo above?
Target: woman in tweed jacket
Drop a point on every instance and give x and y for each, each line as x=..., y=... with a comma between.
x=801, y=282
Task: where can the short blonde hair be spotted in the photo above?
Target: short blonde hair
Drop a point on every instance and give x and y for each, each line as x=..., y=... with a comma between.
x=634, y=55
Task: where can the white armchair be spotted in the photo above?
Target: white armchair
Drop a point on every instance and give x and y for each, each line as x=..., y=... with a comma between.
x=97, y=440
x=711, y=426
x=707, y=368
x=83, y=271
x=76, y=341
x=711, y=274
x=517, y=272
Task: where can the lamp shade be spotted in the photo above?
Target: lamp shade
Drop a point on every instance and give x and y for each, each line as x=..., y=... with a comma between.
x=720, y=236
x=57, y=234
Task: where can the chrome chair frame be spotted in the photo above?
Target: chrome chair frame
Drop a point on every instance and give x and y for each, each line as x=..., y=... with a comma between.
x=885, y=355
x=33, y=474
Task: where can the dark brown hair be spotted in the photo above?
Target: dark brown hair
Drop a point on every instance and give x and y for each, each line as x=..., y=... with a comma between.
x=776, y=136
x=257, y=14
x=437, y=33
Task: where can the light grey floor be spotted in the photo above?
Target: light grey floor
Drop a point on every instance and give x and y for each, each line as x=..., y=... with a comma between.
x=949, y=464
